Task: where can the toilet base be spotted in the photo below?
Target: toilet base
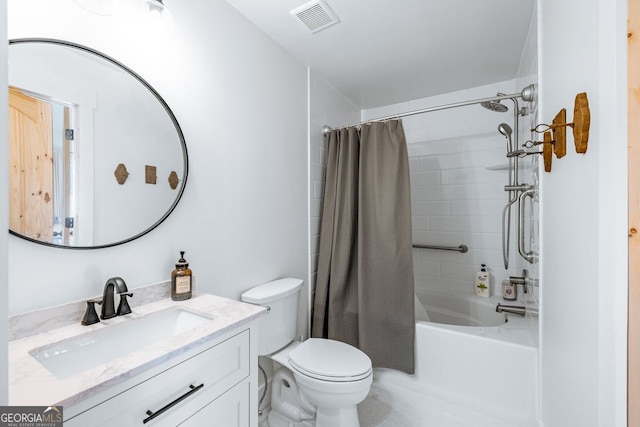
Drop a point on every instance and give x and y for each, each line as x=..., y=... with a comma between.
x=337, y=417
x=277, y=420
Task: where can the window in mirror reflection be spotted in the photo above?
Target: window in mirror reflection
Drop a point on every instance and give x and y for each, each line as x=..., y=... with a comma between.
x=43, y=177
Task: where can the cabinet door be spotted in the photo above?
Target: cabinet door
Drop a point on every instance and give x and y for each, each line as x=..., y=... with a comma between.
x=229, y=410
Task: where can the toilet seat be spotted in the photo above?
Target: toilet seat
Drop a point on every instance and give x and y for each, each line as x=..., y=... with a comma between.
x=330, y=360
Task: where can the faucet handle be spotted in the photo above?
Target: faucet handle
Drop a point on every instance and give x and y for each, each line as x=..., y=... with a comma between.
x=123, y=307
x=90, y=315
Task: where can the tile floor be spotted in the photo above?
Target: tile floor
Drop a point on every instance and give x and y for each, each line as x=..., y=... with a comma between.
x=389, y=405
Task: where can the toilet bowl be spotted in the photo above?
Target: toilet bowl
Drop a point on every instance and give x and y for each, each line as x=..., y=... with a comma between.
x=334, y=377
x=328, y=377
x=288, y=405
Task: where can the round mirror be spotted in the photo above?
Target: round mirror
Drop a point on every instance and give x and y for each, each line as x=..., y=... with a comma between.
x=96, y=156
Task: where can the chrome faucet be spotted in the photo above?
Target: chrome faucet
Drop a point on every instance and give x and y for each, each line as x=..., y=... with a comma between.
x=523, y=280
x=115, y=286
x=511, y=309
x=520, y=310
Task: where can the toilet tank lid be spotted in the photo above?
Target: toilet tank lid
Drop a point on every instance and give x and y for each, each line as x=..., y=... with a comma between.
x=272, y=291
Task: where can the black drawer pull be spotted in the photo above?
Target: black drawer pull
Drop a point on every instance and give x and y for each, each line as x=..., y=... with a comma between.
x=168, y=406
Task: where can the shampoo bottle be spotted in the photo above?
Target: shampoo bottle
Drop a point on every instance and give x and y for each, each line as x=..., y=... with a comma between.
x=181, y=283
x=482, y=282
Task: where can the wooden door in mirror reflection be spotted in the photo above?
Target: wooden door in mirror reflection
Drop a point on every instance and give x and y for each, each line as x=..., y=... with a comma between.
x=30, y=166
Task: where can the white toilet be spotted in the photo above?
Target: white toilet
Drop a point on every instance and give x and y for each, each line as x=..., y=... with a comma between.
x=329, y=377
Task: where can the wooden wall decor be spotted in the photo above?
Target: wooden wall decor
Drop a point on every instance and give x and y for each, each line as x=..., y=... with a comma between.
x=559, y=133
x=150, y=174
x=121, y=173
x=173, y=180
x=547, y=151
x=581, y=122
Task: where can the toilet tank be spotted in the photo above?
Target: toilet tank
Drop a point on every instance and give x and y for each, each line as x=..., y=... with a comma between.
x=278, y=328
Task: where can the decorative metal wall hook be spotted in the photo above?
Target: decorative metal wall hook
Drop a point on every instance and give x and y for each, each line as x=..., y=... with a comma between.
x=530, y=143
x=548, y=145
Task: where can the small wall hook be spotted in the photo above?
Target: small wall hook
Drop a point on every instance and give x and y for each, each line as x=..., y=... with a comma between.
x=121, y=173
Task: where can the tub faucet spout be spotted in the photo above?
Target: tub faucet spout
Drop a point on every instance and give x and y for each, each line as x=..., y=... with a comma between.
x=511, y=309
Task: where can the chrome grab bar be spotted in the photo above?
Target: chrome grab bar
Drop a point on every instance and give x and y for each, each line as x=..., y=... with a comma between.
x=530, y=256
x=462, y=248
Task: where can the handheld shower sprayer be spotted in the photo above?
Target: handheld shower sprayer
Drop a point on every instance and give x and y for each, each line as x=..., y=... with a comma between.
x=506, y=130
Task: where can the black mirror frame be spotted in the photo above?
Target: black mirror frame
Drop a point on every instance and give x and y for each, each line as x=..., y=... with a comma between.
x=167, y=110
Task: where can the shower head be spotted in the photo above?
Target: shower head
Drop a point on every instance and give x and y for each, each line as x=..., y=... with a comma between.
x=505, y=129
x=495, y=106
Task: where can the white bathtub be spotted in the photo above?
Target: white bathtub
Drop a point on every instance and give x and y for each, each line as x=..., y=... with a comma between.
x=459, y=309
x=490, y=368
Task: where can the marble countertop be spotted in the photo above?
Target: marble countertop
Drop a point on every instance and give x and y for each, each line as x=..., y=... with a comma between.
x=30, y=383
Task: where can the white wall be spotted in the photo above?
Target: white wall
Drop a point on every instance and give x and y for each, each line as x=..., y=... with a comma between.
x=327, y=106
x=242, y=104
x=4, y=210
x=582, y=47
x=457, y=195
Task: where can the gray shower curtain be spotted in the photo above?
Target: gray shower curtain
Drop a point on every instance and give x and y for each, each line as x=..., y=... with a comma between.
x=364, y=288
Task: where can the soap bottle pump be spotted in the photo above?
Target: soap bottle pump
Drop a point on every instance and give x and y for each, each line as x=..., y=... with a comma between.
x=181, y=283
x=482, y=282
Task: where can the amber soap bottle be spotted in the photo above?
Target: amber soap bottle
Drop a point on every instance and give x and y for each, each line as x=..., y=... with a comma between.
x=181, y=280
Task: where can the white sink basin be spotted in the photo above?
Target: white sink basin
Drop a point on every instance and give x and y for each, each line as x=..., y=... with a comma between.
x=77, y=354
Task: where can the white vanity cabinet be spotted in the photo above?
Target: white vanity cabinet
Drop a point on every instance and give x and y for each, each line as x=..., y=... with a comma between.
x=211, y=388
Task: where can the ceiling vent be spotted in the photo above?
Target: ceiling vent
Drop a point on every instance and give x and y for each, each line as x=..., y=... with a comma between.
x=315, y=15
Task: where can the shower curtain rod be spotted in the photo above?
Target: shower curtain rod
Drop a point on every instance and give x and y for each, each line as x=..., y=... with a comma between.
x=527, y=94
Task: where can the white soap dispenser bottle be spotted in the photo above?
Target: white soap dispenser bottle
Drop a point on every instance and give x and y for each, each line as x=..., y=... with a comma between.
x=482, y=282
